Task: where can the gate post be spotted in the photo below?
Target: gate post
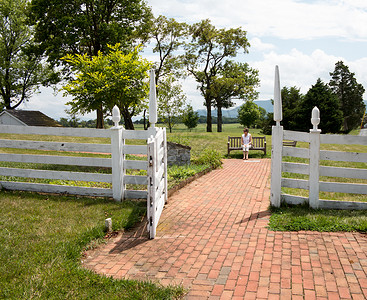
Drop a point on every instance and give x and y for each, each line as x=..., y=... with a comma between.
x=314, y=160
x=276, y=147
x=117, y=156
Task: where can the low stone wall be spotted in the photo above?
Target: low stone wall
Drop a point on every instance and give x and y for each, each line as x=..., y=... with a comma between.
x=178, y=154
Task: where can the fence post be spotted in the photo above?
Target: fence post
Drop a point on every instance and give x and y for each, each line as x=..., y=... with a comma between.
x=276, y=147
x=314, y=159
x=117, y=156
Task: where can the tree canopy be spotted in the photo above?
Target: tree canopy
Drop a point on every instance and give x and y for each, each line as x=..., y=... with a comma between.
x=171, y=102
x=21, y=68
x=249, y=114
x=234, y=81
x=350, y=95
x=320, y=95
x=291, y=101
x=64, y=27
x=207, y=53
x=106, y=80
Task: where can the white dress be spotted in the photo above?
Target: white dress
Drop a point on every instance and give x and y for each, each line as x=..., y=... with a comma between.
x=246, y=142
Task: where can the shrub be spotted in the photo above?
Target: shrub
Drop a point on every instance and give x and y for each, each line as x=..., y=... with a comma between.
x=209, y=157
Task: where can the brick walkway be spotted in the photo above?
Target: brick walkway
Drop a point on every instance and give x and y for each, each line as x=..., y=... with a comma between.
x=213, y=240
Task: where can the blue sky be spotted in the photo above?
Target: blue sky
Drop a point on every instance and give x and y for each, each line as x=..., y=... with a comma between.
x=304, y=38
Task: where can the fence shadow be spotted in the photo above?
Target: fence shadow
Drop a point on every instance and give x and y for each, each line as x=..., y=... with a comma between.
x=254, y=216
x=131, y=238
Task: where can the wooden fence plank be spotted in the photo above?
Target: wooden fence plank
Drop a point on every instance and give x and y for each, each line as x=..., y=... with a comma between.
x=56, y=146
x=339, y=187
x=136, y=164
x=296, y=152
x=343, y=172
x=57, y=131
x=57, y=160
x=135, y=134
x=57, y=189
x=296, y=136
x=131, y=179
x=294, y=200
x=343, y=139
x=130, y=194
x=135, y=149
x=343, y=156
x=332, y=204
x=295, y=168
x=62, y=175
x=295, y=183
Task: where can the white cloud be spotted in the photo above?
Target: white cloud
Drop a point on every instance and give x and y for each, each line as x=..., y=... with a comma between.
x=283, y=19
x=258, y=45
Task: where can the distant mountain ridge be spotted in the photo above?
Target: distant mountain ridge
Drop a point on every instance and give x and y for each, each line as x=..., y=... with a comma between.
x=233, y=112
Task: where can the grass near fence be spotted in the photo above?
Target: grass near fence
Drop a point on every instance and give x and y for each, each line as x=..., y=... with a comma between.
x=42, y=238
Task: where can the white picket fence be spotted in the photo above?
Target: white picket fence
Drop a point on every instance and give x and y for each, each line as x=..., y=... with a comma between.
x=313, y=168
x=155, y=163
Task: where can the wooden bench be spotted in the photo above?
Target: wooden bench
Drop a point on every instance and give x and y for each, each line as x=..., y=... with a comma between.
x=258, y=143
x=290, y=143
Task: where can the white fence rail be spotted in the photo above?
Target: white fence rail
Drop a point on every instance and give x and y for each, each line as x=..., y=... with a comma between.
x=313, y=169
x=117, y=162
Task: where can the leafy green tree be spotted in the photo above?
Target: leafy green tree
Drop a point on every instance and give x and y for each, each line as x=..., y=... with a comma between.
x=21, y=69
x=190, y=118
x=249, y=114
x=331, y=117
x=234, y=81
x=171, y=102
x=291, y=101
x=206, y=54
x=350, y=95
x=69, y=27
x=106, y=80
x=169, y=35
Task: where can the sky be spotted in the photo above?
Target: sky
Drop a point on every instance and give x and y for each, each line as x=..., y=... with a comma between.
x=304, y=38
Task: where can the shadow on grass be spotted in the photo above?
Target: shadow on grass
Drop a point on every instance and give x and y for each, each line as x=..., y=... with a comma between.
x=301, y=217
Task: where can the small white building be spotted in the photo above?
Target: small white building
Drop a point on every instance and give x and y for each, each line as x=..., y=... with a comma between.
x=26, y=118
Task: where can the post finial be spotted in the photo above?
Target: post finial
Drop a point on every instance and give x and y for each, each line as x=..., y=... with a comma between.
x=315, y=118
x=116, y=116
x=277, y=98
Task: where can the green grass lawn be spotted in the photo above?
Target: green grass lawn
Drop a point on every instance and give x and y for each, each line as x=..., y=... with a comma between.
x=41, y=241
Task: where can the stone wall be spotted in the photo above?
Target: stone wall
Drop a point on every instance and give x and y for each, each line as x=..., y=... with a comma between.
x=178, y=154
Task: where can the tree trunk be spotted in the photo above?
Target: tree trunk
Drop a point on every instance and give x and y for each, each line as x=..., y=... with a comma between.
x=145, y=125
x=219, y=119
x=100, y=122
x=208, y=117
x=127, y=119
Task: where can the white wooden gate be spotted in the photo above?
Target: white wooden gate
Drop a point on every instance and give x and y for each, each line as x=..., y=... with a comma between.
x=157, y=179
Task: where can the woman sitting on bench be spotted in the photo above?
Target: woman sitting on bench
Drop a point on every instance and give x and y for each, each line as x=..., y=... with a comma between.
x=246, y=143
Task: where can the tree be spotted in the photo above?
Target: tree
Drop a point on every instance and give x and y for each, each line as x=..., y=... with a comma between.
x=21, y=69
x=106, y=80
x=69, y=27
x=169, y=36
x=234, y=81
x=171, y=102
x=331, y=117
x=350, y=95
x=190, y=118
x=249, y=114
x=206, y=54
x=291, y=101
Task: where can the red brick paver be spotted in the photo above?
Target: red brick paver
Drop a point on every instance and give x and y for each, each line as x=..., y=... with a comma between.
x=212, y=239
